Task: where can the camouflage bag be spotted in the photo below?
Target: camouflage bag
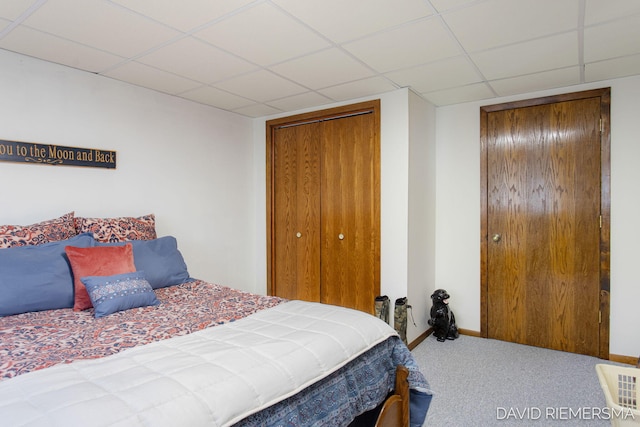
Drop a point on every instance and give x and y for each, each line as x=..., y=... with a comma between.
x=400, y=318
x=382, y=307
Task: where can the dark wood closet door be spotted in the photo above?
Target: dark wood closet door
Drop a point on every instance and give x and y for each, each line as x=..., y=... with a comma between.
x=296, y=236
x=543, y=225
x=350, y=213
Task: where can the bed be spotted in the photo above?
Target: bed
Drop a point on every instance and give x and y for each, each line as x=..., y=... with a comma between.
x=156, y=347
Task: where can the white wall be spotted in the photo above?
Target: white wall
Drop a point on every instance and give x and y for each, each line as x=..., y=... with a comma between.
x=458, y=209
x=189, y=164
x=422, y=225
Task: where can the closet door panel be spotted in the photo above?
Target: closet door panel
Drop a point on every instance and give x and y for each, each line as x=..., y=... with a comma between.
x=350, y=274
x=296, y=219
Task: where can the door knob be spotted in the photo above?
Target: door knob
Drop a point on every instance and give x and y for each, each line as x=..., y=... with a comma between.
x=496, y=238
x=341, y=236
x=298, y=234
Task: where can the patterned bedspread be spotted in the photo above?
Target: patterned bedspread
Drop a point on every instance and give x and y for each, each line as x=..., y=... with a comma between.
x=37, y=340
x=352, y=390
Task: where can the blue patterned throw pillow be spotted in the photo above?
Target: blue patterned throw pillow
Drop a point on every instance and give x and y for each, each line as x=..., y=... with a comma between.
x=119, y=292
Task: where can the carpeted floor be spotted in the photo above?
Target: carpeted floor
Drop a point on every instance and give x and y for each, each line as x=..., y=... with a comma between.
x=484, y=382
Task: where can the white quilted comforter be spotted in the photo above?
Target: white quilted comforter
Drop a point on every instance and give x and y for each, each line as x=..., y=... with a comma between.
x=214, y=377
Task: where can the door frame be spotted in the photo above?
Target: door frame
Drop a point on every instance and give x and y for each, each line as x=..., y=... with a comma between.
x=605, y=201
x=365, y=107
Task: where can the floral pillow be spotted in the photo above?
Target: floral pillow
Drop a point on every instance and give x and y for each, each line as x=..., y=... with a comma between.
x=120, y=229
x=53, y=230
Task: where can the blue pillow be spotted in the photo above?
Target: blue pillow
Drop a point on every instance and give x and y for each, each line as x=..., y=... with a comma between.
x=160, y=259
x=119, y=292
x=36, y=278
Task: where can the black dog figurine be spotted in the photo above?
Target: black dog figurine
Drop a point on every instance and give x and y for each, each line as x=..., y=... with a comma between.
x=442, y=318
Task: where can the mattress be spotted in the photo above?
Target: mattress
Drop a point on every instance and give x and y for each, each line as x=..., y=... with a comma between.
x=207, y=355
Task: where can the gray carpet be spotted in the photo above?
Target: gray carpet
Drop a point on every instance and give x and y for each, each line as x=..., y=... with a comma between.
x=484, y=382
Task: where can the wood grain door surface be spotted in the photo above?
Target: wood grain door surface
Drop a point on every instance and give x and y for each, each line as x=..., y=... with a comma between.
x=543, y=225
x=324, y=207
x=296, y=230
x=350, y=213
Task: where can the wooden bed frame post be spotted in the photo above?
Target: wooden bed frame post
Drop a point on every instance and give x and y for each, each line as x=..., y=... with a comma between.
x=395, y=411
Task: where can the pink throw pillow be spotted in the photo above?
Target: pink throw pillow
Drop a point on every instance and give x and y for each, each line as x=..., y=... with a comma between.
x=97, y=261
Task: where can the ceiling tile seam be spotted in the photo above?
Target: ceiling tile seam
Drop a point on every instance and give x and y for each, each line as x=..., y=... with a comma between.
x=109, y=69
x=387, y=30
x=303, y=93
x=23, y=16
x=568, y=67
x=213, y=86
x=545, y=36
x=581, y=18
x=457, y=7
x=195, y=29
x=631, y=55
x=339, y=46
x=466, y=55
x=427, y=63
x=467, y=85
x=183, y=35
x=332, y=45
x=75, y=42
x=216, y=88
x=355, y=39
x=383, y=75
x=612, y=20
x=269, y=68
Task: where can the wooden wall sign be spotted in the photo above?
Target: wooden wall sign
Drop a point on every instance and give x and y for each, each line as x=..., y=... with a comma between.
x=29, y=152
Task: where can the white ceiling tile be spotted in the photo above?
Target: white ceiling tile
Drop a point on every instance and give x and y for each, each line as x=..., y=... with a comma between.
x=149, y=77
x=323, y=69
x=359, y=89
x=501, y=22
x=183, y=16
x=470, y=93
x=612, y=68
x=99, y=24
x=216, y=98
x=525, y=58
x=263, y=34
x=618, y=38
x=298, y=102
x=444, y=5
x=439, y=75
x=537, y=82
x=261, y=86
x=12, y=9
x=3, y=24
x=266, y=56
x=257, y=110
x=346, y=20
x=597, y=11
x=406, y=46
x=196, y=60
x=51, y=48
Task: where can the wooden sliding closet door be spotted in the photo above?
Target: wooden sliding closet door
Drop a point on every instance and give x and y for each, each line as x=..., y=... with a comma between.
x=323, y=206
x=296, y=227
x=351, y=222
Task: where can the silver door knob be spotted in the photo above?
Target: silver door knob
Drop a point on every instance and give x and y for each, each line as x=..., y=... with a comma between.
x=298, y=234
x=341, y=236
x=496, y=238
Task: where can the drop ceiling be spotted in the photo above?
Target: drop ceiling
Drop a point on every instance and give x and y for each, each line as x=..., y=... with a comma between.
x=263, y=57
